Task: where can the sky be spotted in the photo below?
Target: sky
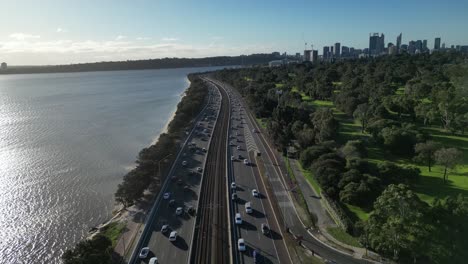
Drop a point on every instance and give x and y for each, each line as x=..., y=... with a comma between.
x=44, y=32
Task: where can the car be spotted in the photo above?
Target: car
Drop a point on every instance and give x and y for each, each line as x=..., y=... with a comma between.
x=232, y=143
x=174, y=178
x=204, y=149
x=172, y=203
x=239, y=156
x=167, y=195
x=164, y=228
x=238, y=219
x=248, y=208
x=233, y=158
x=234, y=196
x=265, y=229
x=238, y=148
x=184, y=163
x=173, y=236
x=144, y=252
x=255, y=256
x=233, y=185
x=180, y=182
x=199, y=169
x=246, y=161
x=254, y=130
x=254, y=193
x=153, y=260
x=179, y=211
x=241, y=244
x=186, y=188
x=191, y=210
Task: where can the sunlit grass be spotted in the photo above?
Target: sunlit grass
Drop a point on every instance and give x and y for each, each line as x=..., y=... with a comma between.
x=340, y=235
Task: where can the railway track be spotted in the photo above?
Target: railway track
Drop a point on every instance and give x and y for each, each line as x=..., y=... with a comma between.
x=211, y=237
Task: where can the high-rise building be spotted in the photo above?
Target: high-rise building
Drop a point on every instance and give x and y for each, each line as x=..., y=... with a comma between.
x=398, y=43
x=424, y=45
x=331, y=52
x=419, y=45
x=344, y=52
x=326, y=51
x=443, y=45
x=314, y=55
x=307, y=55
x=337, y=50
x=376, y=44
x=3, y=66
x=412, y=47
x=437, y=43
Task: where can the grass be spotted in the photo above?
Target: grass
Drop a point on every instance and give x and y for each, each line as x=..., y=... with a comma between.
x=310, y=178
x=358, y=212
x=343, y=237
x=262, y=122
x=337, y=83
x=113, y=231
x=279, y=85
x=323, y=103
x=400, y=90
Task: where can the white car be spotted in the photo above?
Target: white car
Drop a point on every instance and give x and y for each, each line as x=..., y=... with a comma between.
x=164, y=228
x=166, y=195
x=173, y=236
x=238, y=219
x=204, y=149
x=233, y=185
x=179, y=211
x=144, y=252
x=246, y=161
x=248, y=208
x=255, y=192
x=184, y=163
x=234, y=196
x=241, y=244
x=238, y=147
x=233, y=158
x=153, y=260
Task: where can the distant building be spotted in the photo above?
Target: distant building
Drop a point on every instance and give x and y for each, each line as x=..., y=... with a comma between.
x=344, y=52
x=376, y=44
x=276, y=63
x=392, y=50
x=3, y=66
x=298, y=56
x=337, y=50
x=307, y=55
x=331, y=52
x=437, y=43
x=443, y=45
x=398, y=43
x=424, y=45
x=326, y=52
x=315, y=56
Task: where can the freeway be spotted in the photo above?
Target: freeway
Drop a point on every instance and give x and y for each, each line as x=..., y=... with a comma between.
x=276, y=178
x=183, y=188
x=270, y=247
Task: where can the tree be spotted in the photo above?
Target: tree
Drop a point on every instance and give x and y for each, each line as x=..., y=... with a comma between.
x=354, y=149
x=396, y=227
x=425, y=152
x=325, y=125
x=449, y=158
x=94, y=251
x=363, y=114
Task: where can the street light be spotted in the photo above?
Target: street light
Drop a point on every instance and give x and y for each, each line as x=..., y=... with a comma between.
x=159, y=165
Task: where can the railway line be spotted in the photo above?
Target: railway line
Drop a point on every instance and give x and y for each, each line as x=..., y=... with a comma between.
x=211, y=242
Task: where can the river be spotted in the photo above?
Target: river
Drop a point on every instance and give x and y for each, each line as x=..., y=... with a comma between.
x=66, y=140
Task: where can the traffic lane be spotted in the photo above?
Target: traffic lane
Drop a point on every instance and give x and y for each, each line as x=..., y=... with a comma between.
x=159, y=244
x=251, y=228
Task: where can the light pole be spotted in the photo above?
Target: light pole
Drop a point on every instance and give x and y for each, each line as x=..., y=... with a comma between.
x=159, y=165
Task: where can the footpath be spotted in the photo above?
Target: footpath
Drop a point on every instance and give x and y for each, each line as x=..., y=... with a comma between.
x=316, y=207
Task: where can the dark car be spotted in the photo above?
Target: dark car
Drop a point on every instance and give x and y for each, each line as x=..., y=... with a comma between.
x=179, y=182
x=190, y=210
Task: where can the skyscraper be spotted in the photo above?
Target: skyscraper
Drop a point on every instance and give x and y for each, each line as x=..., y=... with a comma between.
x=376, y=44
x=424, y=45
x=326, y=51
x=337, y=50
x=437, y=43
x=331, y=52
x=398, y=43
x=307, y=54
x=314, y=55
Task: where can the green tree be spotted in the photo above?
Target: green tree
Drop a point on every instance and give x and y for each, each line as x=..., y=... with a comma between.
x=363, y=114
x=449, y=158
x=325, y=125
x=425, y=152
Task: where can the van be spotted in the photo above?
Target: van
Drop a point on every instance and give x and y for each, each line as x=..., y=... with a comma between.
x=248, y=208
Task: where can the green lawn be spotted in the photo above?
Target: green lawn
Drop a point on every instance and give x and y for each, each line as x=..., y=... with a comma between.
x=342, y=236
x=400, y=90
x=262, y=122
x=323, y=103
x=310, y=178
x=113, y=231
x=358, y=212
x=279, y=85
x=337, y=83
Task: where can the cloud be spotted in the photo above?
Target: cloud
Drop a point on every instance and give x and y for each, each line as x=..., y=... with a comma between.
x=61, y=30
x=169, y=39
x=120, y=37
x=143, y=38
x=23, y=36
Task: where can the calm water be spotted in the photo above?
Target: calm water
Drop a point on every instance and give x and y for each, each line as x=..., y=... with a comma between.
x=66, y=140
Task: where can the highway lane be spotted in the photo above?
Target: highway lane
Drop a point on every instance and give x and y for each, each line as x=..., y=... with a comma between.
x=184, y=189
x=276, y=180
x=271, y=247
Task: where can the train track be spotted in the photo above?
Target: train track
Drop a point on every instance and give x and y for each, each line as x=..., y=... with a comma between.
x=211, y=237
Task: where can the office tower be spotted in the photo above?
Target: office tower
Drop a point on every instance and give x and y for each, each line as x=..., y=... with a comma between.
x=331, y=52
x=314, y=55
x=424, y=45
x=376, y=44
x=437, y=43
x=307, y=54
x=326, y=51
x=412, y=47
x=419, y=45
x=443, y=45
x=398, y=43
x=337, y=50
x=344, y=51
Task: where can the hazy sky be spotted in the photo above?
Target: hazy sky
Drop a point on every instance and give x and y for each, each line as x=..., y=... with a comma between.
x=62, y=31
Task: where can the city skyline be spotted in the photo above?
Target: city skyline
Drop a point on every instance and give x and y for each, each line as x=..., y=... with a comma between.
x=103, y=31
